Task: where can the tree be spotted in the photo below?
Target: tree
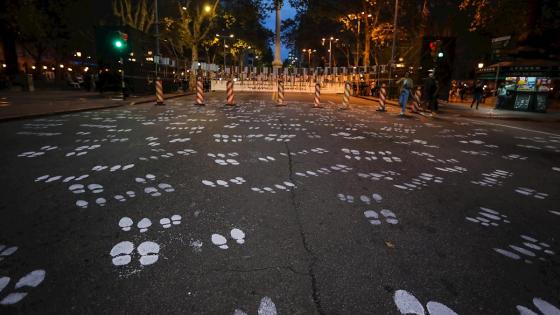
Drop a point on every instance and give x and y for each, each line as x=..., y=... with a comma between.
x=40, y=25
x=136, y=15
x=195, y=23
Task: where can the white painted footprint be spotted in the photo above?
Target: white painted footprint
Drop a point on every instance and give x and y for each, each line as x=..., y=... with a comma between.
x=101, y=201
x=144, y=224
x=390, y=216
x=543, y=306
x=409, y=304
x=374, y=218
x=152, y=191
x=148, y=253
x=219, y=241
x=32, y=280
x=82, y=204
x=77, y=188
x=238, y=235
x=266, y=307
x=95, y=188
x=166, y=187
x=125, y=223
x=121, y=253
x=6, y=251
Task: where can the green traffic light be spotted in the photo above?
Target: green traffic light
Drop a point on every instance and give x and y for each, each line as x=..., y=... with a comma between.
x=118, y=43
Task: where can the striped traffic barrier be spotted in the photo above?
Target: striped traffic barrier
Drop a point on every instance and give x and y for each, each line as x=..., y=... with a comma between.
x=382, y=97
x=317, y=101
x=280, y=101
x=346, y=96
x=230, y=93
x=159, y=92
x=417, y=97
x=199, y=93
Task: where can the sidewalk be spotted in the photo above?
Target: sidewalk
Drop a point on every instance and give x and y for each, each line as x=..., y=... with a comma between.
x=19, y=105
x=485, y=111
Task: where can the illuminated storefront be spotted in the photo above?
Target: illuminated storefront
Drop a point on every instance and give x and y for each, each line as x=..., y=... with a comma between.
x=528, y=84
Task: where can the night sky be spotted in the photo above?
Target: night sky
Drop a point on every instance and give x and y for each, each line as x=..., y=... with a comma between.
x=287, y=12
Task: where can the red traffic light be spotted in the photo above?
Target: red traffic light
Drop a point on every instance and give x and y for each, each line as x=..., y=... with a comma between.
x=123, y=36
x=433, y=45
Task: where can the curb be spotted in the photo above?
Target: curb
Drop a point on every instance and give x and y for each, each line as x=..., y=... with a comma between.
x=494, y=117
x=154, y=100
x=71, y=111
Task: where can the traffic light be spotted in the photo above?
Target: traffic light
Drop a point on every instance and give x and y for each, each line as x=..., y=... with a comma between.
x=435, y=48
x=120, y=41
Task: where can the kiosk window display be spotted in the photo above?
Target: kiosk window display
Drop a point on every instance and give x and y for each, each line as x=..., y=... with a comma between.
x=528, y=93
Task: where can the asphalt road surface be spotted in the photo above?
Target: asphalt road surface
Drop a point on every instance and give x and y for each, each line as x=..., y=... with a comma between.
x=258, y=209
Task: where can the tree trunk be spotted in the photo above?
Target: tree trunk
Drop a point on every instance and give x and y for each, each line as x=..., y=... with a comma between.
x=194, y=52
x=367, y=42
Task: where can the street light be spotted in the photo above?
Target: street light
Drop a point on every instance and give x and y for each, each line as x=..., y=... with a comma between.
x=331, y=39
x=309, y=52
x=358, y=16
x=207, y=8
x=480, y=65
x=225, y=46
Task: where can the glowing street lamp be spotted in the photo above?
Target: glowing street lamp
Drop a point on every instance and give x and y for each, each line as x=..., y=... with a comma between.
x=225, y=46
x=331, y=39
x=207, y=8
x=309, y=52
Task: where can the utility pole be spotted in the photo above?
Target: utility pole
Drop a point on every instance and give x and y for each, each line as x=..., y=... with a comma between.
x=157, y=37
x=277, y=63
x=358, y=43
x=392, y=62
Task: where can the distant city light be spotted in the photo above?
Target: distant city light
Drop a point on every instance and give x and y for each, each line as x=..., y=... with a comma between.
x=70, y=69
x=86, y=69
x=44, y=67
x=3, y=65
x=78, y=54
x=440, y=54
x=480, y=65
x=33, y=67
x=61, y=66
x=207, y=8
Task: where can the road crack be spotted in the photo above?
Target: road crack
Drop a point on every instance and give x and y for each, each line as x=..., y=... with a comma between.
x=311, y=266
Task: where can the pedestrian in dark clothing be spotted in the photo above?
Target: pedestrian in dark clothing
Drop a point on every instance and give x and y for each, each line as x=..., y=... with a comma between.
x=477, y=93
x=430, y=92
x=502, y=96
x=372, y=87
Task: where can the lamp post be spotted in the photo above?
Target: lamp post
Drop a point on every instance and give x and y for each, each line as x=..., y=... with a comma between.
x=157, y=37
x=331, y=39
x=225, y=46
x=357, y=16
x=277, y=63
x=394, y=41
x=309, y=52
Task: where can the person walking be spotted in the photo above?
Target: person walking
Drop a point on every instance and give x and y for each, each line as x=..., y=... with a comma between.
x=430, y=92
x=372, y=87
x=502, y=96
x=405, y=83
x=462, y=92
x=477, y=93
